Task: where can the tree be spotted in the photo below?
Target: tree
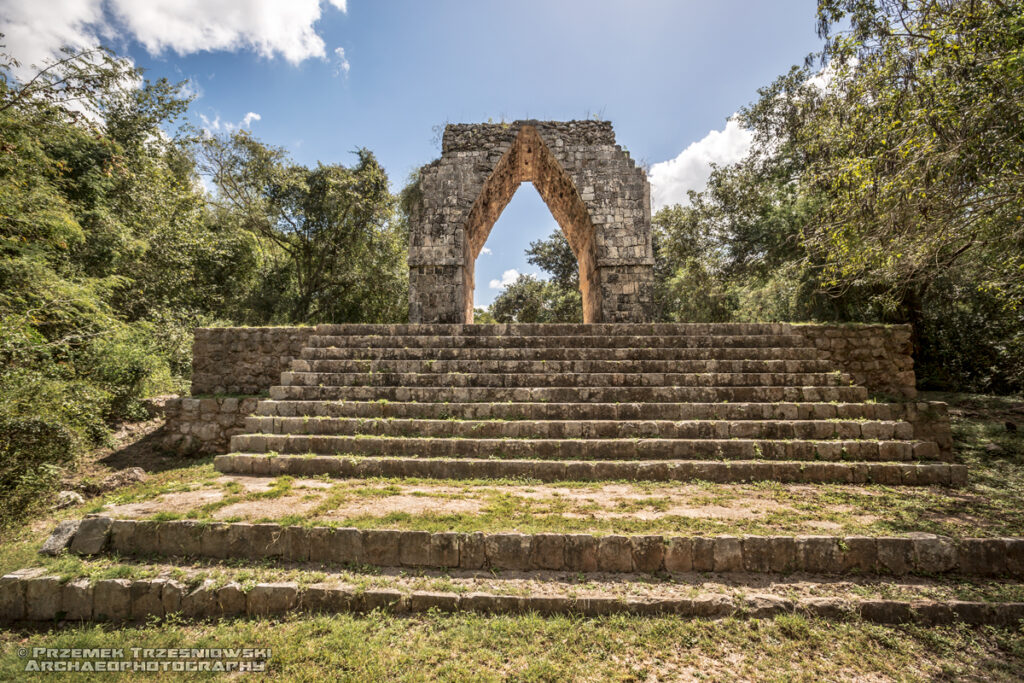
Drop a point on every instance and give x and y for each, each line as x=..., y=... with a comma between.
x=555, y=256
x=523, y=301
x=554, y=300
x=918, y=146
x=88, y=184
x=334, y=226
x=885, y=187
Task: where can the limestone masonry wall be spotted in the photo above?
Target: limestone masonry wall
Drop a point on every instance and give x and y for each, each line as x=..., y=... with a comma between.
x=878, y=357
x=243, y=360
x=30, y=595
x=594, y=189
x=896, y=555
x=250, y=360
x=205, y=425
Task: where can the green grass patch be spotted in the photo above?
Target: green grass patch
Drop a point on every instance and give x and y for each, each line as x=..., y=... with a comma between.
x=535, y=648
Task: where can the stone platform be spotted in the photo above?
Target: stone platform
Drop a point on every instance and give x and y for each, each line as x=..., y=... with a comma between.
x=649, y=401
x=443, y=417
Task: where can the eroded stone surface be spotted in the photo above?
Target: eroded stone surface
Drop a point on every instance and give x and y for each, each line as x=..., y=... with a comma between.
x=61, y=537
x=91, y=537
x=598, y=195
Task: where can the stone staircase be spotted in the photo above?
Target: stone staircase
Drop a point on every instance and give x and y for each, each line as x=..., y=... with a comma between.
x=724, y=402
x=496, y=408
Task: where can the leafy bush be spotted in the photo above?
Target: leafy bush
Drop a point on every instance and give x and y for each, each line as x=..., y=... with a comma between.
x=31, y=452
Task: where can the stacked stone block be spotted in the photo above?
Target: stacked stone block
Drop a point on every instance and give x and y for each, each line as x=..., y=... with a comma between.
x=598, y=195
x=676, y=382
x=243, y=360
x=29, y=596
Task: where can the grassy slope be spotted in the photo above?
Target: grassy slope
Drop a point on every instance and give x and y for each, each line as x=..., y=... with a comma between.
x=528, y=647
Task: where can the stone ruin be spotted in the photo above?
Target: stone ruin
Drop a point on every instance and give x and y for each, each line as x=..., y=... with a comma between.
x=598, y=195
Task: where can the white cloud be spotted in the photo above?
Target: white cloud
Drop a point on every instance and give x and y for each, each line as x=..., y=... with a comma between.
x=186, y=26
x=507, y=278
x=37, y=30
x=341, y=64
x=216, y=125
x=486, y=250
x=670, y=180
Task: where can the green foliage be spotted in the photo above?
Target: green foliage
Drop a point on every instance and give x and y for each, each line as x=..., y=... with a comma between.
x=555, y=256
x=31, y=449
x=532, y=300
x=335, y=227
x=885, y=188
x=111, y=252
x=523, y=301
x=482, y=316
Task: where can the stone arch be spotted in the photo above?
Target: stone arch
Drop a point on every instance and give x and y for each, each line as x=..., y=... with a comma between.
x=598, y=196
x=530, y=160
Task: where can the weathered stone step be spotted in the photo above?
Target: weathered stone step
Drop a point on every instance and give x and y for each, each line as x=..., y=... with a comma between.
x=35, y=597
x=664, y=394
x=584, y=411
x=588, y=340
x=431, y=366
x=586, y=429
x=556, y=329
x=336, y=547
x=596, y=379
x=717, y=471
x=559, y=353
x=590, y=449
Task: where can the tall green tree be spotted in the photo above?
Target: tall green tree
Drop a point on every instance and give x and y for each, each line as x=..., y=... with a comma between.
x=91, y=186
x=918, y=146
x=884, y=187
x=334, y=231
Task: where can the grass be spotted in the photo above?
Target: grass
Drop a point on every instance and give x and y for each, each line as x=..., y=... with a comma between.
x=535, y=648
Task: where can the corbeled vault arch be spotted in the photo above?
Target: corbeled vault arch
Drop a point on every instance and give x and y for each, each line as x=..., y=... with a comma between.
x=598, y=196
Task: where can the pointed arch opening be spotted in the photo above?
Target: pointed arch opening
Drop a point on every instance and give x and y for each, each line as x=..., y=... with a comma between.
x=530, y=160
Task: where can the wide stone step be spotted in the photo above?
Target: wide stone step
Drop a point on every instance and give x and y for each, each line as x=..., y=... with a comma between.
x=536, y=380
x=663, y=394
x=561, y=329
x=717, y=471
x=427, y=366
x=34, y=597
x=589, y=340
x=331, y=546
x=583, y=411
x=586, y=429
x=589, y=449
x=559, y=353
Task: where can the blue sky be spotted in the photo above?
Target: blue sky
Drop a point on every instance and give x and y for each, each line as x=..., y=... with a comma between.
x=323, y=77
